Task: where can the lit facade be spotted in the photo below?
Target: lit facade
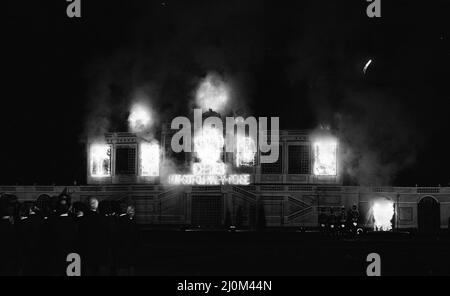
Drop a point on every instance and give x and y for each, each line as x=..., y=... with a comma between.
x=287, y=193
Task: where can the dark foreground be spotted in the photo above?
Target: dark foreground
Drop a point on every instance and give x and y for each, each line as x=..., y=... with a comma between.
x=274, y=252
x=289, y=253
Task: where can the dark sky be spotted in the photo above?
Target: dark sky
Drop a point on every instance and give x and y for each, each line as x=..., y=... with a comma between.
x=299, y=60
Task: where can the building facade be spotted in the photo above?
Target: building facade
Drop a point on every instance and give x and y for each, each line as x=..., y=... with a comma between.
x=287, y=193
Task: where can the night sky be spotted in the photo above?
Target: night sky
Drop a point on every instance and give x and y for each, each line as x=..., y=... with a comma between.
x=299, y=60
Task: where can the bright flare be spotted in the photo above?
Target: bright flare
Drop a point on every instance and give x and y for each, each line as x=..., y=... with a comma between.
x=149, y=159
x=100, y=160
x=210, y=170
x=367, y=66
x=209, y=145
x=325, y=157
x=383, y=211
x=140, y=118
x=245, y=151
x=212, y=93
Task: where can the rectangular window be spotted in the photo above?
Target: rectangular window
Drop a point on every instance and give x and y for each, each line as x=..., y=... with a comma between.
x=100, y=160
x=125, y=160
x=325, y=157
x=149, y=159
x=299, y=159
x=275, y=167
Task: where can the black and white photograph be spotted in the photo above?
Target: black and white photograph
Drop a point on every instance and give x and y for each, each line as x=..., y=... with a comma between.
x=225, y=143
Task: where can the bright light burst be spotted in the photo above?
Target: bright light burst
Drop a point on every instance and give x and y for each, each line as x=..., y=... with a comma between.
x=383, y=211
x=140, y=118
x=325, y=157
x=100, y=155
x=212, y=93
x=149, y=159
x=209, y=145
x=210, y=169
x=367, y=66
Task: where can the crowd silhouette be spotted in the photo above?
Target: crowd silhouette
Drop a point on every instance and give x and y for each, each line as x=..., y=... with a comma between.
x=37, y=237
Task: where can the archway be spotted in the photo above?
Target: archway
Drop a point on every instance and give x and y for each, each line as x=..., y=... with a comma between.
x=429, y=216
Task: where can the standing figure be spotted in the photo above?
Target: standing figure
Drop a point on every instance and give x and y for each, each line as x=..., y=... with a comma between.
x=127, y=241
x=332, y=222
x=8, y=242
x=29, y=227
x=108, y=217
x=79, y=211
x=323, y=222
x=353, y=219
x=92, y=239
x=63, y=233
x=342, y=221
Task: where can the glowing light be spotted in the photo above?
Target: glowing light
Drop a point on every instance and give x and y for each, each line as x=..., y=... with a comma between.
x=100, y=160
x=209, y=144
x=325, y=157
x=233, y=179
x=140, y=118
x=245, y=151
x=383, y=211
x=210, y=170
x=367, y=66
x=212, y=93
x=149, y=159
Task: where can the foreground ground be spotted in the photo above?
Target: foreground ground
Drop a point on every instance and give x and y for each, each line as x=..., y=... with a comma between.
x=289, y=253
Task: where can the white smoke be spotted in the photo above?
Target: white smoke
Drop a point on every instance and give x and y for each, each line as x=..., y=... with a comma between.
x=213, y=93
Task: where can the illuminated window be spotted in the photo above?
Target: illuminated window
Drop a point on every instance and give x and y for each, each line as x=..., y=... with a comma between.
x=275, y=167
x=149, y=159
x=325, y=157
x=125, y=160
x=299, y=159
x=100, y=160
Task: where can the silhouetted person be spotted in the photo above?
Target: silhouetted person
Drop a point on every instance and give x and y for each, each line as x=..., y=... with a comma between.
x=48, y=260
x=79, y=210
x=53, y=206
x=28, y=227
x=78, y=213
x=63, y=230
x=44, y=209
x=332, y=222
x=127, y=241
x=353, y=214
x=108, y=218
x=22, y=230
x=8, y=242
x=323, y=221
x=343, y=215
x=353, y=219
x=92, y=238
x=342, y=221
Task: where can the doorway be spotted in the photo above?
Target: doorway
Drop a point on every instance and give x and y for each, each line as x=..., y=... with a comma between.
x=429, y=216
